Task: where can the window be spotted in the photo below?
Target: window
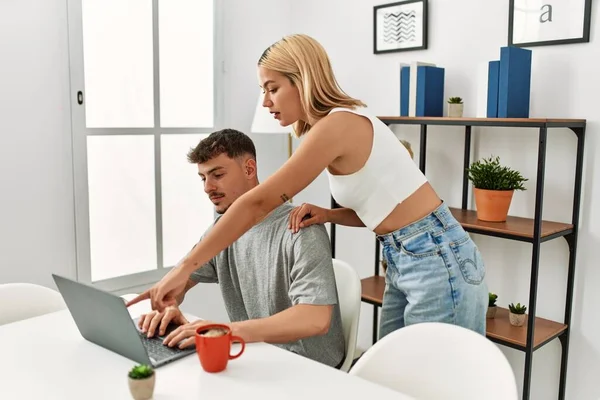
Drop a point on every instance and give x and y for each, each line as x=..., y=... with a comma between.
x=144, y=83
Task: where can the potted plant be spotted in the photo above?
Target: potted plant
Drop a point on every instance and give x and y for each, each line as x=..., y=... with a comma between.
x=491, y=311
x=455, y=107
x=516, y=314
x=141, y=382
x=494, y=186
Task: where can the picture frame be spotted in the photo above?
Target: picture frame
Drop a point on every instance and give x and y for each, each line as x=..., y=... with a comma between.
x=400, y=26
x=533, y=23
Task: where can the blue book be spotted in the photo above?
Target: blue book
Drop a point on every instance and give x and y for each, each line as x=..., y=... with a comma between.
x=404, y=90
x=492, y=93
x=514, y=83
x=430, y=92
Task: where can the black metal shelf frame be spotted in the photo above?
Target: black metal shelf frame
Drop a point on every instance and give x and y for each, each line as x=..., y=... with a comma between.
x=578, y=127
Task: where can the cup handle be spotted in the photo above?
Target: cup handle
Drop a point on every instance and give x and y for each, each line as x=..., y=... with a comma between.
x=241, y=341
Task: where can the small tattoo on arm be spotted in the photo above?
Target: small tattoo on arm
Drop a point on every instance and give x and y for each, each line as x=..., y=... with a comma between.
x=284, y=197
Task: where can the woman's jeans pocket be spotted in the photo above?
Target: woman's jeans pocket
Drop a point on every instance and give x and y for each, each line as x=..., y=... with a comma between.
x=469, y=260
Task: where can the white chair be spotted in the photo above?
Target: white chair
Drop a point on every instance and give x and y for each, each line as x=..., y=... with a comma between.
x=349, y=293
x=439, y=361
x=20, y=301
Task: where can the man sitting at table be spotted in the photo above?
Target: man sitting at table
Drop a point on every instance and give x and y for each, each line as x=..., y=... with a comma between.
x=278, y=287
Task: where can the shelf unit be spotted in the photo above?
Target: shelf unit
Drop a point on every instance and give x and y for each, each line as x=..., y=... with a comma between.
x=537, y=331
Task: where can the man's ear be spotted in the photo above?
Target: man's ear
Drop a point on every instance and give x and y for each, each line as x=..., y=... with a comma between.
x=250, y=168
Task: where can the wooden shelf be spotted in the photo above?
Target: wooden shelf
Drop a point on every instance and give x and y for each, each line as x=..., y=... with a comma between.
x=499, y=328
x=372, y=289
x=514, y=227
x=500, y=122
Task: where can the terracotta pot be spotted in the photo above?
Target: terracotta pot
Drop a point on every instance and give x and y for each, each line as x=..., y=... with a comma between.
x=492, y=205
x=455, y=110
x=142, y=389
x=516, y=319
x=491, y=312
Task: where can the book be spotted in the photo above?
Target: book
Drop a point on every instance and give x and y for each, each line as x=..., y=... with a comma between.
x=412, y=89
x=492, y=93
x=404, y=89
x=430, y=92
x=514, y=82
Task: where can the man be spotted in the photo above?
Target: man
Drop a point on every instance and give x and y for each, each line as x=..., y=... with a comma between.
x=279, y=287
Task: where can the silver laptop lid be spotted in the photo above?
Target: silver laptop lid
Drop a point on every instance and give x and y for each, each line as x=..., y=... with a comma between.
x=103, y=319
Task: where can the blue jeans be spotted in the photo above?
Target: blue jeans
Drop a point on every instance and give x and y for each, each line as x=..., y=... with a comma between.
x=435, y=273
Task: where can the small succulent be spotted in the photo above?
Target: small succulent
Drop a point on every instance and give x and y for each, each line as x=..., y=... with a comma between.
x=492, y=301
x=141, y=371
x=455, y=100
x=517, y=309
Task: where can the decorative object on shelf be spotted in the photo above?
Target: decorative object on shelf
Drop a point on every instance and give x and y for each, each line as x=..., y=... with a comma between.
x=455, y=107
x=516, y=314
x=141, y=382
x=408, y=147
x=542, y=24
x=400, y=26
x=509, y=84
x=421, y=90
x=494, y=186
x=492, y=308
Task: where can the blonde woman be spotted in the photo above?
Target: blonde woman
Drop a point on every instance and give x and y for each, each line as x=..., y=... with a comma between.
x=435, y=271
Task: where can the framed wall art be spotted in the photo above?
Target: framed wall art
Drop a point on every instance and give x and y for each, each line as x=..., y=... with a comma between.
x=400, y=26
x=548, y=22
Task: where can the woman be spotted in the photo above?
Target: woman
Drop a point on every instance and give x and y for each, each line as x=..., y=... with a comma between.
x=435, y=271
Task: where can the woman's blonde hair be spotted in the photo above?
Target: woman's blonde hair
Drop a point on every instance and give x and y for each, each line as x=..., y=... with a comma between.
x=305, y=63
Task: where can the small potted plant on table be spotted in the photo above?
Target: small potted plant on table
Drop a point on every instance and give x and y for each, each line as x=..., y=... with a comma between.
x=491, y=311
x=494, y=186
x=516, y=314
x=141, y=382
x=455, y=107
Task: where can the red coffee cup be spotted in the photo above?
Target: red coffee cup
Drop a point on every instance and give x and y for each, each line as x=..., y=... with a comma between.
x=214, y=351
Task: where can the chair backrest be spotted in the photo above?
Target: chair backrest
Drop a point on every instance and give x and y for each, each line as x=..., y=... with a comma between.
x=25, y=300
x=349, y=293
x=439, y=361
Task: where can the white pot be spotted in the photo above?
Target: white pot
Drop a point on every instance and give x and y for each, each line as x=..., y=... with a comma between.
x=455, y=110
x=142, y=389
x=491, y=312
x=516, y=319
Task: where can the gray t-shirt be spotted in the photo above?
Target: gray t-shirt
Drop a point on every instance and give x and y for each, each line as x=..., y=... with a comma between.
x=269, y=270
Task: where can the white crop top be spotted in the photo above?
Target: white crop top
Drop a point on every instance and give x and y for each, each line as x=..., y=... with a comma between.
x=388, y=177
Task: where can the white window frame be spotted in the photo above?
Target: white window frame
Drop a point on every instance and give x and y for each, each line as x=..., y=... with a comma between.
x=80, y=132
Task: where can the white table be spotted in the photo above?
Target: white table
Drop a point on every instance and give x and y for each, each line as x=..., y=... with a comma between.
x=47, y=358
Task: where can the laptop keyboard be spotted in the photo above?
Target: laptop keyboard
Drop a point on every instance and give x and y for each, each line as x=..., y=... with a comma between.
x=157, y=349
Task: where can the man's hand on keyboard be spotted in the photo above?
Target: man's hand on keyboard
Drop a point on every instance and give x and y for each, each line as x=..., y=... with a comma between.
x=149, y=323
x=185, y=335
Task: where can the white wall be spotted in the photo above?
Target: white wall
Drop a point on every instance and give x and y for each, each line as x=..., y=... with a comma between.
x=462, y=34
x=36, y=206
x=37, y=234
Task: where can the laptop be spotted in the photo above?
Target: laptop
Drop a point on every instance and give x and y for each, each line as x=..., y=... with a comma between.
x=102, y=318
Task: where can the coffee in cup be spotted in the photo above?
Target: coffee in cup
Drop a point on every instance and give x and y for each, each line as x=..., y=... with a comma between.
x=213, y=345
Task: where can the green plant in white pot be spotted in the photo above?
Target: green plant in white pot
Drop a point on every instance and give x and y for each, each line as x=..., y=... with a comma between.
x=492, y=308
x=516, y=314
x=455, y=107
x=494, y=186
x=141, y=382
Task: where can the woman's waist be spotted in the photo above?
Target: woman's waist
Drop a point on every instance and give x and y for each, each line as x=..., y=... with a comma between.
x=421, y=204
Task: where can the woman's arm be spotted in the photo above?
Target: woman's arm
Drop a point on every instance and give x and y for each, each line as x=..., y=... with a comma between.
x=344, y=216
